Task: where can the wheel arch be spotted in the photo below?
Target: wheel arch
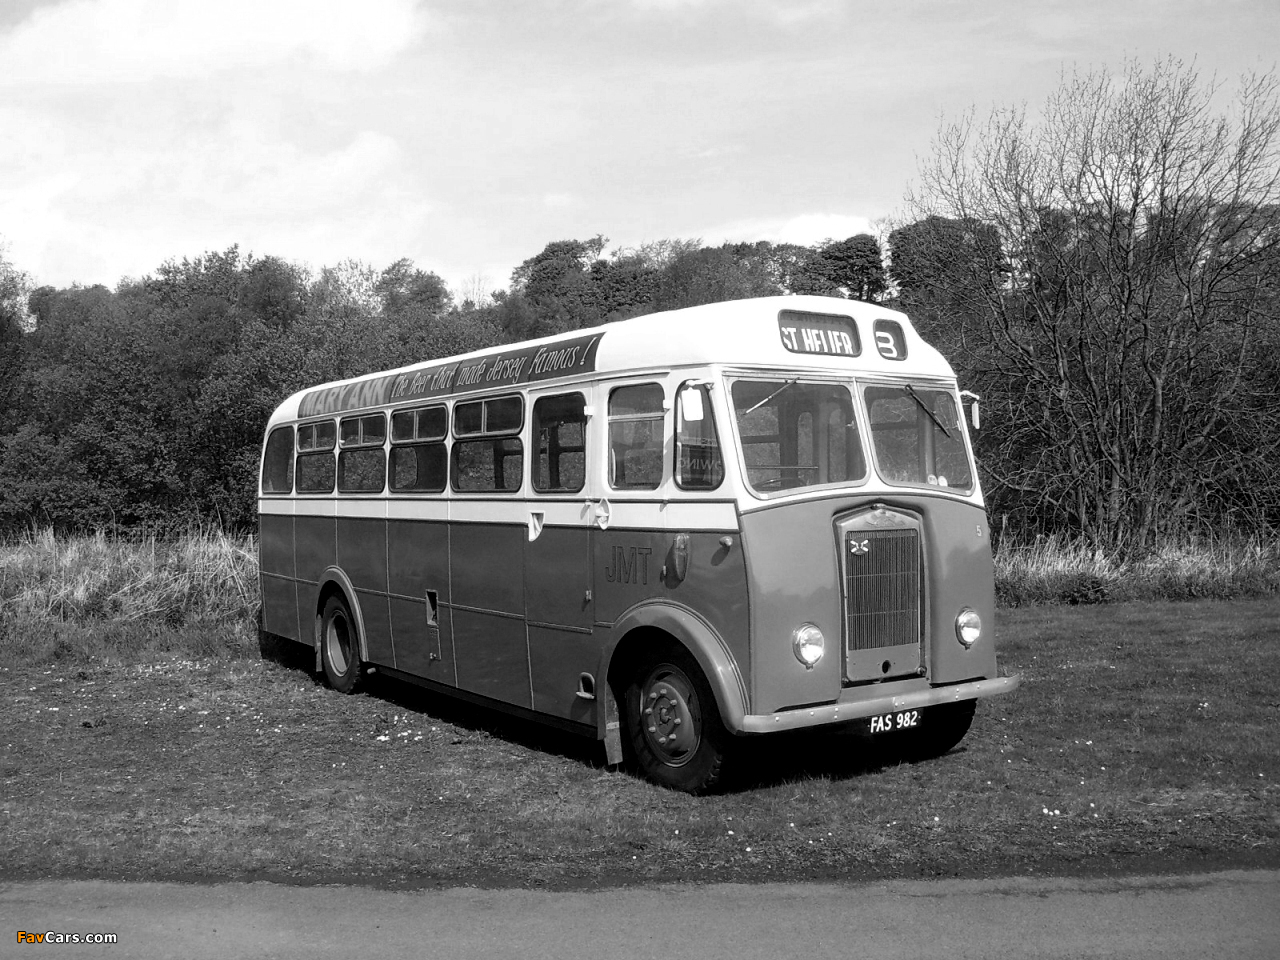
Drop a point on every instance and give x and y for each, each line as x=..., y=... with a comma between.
x=640, y=627
x=335, y=581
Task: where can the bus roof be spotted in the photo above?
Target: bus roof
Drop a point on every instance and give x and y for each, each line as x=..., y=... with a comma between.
x=821, y=334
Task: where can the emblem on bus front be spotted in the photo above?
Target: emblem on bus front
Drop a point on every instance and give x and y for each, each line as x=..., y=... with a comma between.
x=859, y=547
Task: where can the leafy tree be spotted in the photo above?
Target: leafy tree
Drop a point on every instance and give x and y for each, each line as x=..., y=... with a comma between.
x=853, y=268
x=557, y=284
x=14, y=320
x=1122, y=352
x=403, y=287
x=275, y=292
x=732, y=271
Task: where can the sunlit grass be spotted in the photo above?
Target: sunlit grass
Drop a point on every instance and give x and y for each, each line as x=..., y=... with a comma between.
x=1141, y=739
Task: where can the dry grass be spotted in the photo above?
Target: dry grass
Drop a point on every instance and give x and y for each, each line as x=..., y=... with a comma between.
x=97, y=595
x=1058, y=569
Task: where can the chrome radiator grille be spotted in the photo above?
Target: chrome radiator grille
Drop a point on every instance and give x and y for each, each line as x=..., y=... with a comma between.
x=882, y=588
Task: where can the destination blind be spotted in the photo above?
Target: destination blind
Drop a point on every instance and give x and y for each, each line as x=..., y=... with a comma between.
x=827, y=334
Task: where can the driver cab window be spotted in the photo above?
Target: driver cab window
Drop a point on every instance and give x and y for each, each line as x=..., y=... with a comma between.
x=636, y=436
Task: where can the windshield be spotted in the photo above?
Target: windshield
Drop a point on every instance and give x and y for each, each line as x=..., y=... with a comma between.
x=797, y=434
x=917, y=436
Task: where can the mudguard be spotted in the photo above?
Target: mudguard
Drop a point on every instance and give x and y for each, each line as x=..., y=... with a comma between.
x=700, y=639
x=336, y=577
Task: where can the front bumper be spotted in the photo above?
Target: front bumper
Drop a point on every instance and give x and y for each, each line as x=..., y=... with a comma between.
x=851, y=709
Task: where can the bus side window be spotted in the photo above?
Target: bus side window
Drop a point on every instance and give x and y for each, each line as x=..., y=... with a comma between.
x=316, y=463
x=699, y=464
x=419, y=458
x=277, y=462
x=559, y=432
x=362, y=462
x=636, y=437
x=489, y=463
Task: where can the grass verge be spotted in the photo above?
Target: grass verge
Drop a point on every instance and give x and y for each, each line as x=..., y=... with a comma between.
x=1142, y=739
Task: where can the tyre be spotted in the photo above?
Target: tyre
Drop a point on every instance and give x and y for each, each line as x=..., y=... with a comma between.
x=944, y=727
x=673, y=725
x=339, y=646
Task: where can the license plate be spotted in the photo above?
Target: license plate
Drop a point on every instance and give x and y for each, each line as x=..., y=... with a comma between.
x=888, y=722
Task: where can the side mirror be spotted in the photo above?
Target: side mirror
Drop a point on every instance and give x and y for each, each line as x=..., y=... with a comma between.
x=691, y=404
x=975, y=417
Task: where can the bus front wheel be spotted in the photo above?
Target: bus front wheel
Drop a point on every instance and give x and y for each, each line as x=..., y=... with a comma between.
x=673, y=726
x=339, y=646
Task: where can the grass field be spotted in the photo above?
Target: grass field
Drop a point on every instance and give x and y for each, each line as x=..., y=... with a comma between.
x=1143, y=738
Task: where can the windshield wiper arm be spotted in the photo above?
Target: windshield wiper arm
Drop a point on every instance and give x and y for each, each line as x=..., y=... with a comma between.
x=750, y=410
x=923, y=406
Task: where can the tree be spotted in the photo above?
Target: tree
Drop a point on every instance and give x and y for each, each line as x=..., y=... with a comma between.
x=1122, y=349
x=558, y=286
x=732, y=271
x=14, y=320
x=853, y=267
x=947, y=272
x=403, y=287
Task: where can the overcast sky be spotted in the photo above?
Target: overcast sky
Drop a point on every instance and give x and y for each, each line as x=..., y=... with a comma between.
x=466, y=134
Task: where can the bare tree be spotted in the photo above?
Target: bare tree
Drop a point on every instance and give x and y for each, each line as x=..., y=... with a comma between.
x=1120, y=321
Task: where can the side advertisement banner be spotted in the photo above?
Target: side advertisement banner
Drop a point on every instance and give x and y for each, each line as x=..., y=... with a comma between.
x=507, y=368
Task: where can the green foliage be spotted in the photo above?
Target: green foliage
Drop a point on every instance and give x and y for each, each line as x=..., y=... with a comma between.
x=852, y=267
x=143, y=408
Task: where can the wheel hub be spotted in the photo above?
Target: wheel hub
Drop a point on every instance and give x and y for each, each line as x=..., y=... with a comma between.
x=670, y=709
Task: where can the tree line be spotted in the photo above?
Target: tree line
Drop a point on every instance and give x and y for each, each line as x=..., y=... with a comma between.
x=1106, y=275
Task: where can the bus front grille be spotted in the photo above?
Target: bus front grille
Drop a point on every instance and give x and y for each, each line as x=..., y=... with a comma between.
x=882, y=588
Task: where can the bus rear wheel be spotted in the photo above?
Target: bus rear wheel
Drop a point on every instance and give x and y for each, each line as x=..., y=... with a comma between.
x=339, y=646
x=673, y=725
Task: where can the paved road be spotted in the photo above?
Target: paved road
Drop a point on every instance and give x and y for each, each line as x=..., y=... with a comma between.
x=1228, y=915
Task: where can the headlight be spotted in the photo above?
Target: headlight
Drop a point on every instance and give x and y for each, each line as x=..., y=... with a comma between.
x=968, y=627
x=808, y=643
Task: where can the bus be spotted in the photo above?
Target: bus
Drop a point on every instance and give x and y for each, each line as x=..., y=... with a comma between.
x=673, y=533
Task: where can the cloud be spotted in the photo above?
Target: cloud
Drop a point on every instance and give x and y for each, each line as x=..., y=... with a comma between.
x=96, y=41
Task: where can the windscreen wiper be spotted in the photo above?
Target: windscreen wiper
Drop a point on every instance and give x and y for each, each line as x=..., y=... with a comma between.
x=921, y=404
x=750, y=410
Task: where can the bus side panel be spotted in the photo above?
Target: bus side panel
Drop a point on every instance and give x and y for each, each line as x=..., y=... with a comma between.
x=557, y=659
x=362, y=555
x=315, y=550
x=558, y=577
x=486, y=565
x=794, y=576
x=493, y=656
x=418, y=562
x=960, y=573
x=559, y=611
x=629, y=570
x=279, y=592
